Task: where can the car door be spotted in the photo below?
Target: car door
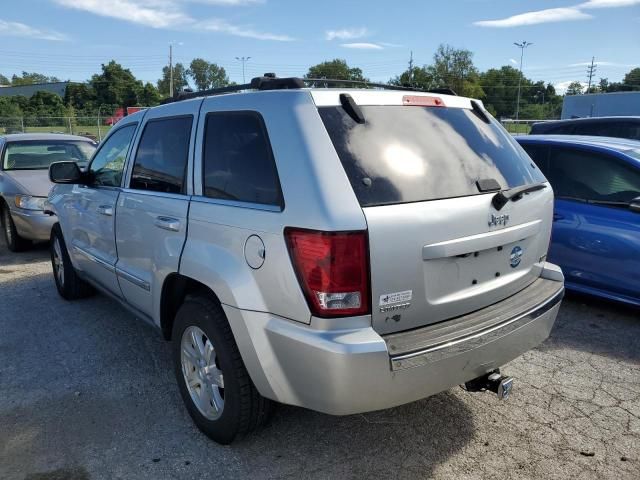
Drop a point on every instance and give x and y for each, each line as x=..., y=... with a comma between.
x=91, y=210
x=151, y=219
x=597, y=245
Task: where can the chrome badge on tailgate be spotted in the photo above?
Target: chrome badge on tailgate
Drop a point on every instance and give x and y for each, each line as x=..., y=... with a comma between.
x=495, y=220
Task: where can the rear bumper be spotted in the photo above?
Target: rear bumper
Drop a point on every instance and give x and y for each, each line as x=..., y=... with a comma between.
x=351, y=371
x=33, y=225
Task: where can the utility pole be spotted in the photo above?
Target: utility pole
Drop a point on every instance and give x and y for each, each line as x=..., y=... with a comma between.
x=170, y=70
x=521, y=46
x=591, y=70
x=243, y=60
x=411, y=69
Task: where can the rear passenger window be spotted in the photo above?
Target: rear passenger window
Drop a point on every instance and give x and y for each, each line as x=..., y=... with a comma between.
x=540, y=155
x=161, y=159
x=238, y=162
x=592, y=176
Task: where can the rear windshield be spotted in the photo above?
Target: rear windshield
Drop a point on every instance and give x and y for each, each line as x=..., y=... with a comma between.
x=405, y=154
x=39, y=154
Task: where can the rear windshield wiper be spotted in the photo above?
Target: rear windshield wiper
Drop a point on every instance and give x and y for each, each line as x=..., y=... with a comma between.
x=611, y=203
x=500, y=199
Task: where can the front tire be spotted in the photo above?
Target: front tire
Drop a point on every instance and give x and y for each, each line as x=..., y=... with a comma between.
x=14, y=241
x=214, y=383
x=70, y=286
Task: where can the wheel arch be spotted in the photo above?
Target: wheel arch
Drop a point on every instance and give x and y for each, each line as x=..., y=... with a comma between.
x=175, y=289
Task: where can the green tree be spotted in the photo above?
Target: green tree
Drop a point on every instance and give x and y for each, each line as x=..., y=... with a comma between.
x=501, y=89
x=4, y=80
x=603, y=85
x=419, y=77
x=149, y=96
x=81, y=97
x=207, y=75
x=574, y=88
x=30, y=78
x=632, y=79
x=180, y=80
x=335, y=69
x=453, y=68
x=116, y=85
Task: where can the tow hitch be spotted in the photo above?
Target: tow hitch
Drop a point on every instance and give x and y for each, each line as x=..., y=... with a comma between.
x=492, y=381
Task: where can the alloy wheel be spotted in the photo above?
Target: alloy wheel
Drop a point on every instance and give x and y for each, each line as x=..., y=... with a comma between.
x=58, y=264
x=201, y=372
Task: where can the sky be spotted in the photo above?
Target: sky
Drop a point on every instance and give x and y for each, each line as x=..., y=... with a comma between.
x=69, y=39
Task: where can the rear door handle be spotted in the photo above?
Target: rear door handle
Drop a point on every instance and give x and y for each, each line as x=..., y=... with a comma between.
x=168, y=223
x=105, y=210
x=557, y=216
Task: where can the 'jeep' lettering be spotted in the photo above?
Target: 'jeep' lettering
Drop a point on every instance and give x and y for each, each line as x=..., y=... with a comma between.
x=496, y=220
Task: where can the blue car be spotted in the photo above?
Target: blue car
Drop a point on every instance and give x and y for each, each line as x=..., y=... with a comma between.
x=596, y=229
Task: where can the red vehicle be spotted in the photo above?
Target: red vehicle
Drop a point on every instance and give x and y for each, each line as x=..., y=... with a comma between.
x=120, y=113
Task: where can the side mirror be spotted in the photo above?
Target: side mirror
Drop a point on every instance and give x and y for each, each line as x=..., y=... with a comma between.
x=634, y=205
x=65, y=172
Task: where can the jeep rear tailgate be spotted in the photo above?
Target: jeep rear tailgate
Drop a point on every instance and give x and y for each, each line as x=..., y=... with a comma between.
x=438, y=247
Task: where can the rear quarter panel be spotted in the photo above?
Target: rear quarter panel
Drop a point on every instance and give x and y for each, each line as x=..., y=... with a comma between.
x=317, y=195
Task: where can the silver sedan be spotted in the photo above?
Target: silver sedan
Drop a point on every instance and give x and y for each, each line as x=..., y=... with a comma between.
x=25, y=185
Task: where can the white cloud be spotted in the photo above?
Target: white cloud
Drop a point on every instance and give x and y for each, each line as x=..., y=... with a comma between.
x=561, y=87
x=228, y=3
x=151, y=13
x=514, y=61
x=17, y=29
x=169, y=14
x=222, y=26
x=608, y=3
x=346, y=33
x=536, y=17
x=362, y=46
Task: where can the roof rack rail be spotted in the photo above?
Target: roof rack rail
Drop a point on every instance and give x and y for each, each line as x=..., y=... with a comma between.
x=386, y=86
x=442, y=91
x=269, y=81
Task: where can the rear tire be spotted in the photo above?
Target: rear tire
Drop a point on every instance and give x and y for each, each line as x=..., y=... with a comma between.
x=70, y=286
x=215, y=385
x=14, y=241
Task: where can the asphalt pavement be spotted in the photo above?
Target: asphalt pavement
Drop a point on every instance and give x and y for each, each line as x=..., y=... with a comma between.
x=87, y=392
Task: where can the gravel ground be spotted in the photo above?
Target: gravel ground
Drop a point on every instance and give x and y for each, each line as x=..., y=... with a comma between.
x=87, y=392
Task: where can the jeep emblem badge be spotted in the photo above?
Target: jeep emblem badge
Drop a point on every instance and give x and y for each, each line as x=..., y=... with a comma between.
x=516, y=256
x=495, y=220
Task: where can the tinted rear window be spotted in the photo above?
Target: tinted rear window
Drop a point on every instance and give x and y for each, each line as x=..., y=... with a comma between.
x=411, y=154
x=238, y=162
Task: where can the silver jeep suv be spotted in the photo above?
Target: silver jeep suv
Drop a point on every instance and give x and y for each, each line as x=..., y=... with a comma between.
x=343, y=250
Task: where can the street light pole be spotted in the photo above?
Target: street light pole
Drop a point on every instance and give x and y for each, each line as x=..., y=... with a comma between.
x=170, y=70
x=243, y=60
x=99, y=131
x=521, y=46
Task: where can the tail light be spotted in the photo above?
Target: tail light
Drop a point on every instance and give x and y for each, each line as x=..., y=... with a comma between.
x=333, y=270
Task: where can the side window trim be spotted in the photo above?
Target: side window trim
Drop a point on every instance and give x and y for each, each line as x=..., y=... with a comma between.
x=127, y=156
x=200, y=152
x=128, y=174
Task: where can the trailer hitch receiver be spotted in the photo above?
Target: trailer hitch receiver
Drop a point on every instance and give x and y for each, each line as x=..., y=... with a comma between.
x=494, y=382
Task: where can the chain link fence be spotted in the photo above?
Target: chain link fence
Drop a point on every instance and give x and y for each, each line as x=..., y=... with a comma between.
x=519, y=127
x=92, y=127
